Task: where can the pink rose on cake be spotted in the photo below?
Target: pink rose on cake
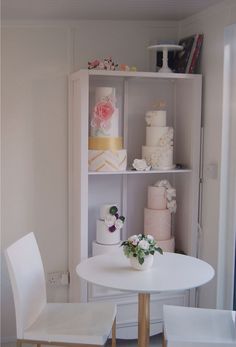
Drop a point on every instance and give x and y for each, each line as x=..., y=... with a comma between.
x=102, y=114
x=103, y=110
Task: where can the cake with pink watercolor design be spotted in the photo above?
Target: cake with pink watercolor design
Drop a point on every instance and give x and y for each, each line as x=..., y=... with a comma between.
x=161, y=204
x=105, y=144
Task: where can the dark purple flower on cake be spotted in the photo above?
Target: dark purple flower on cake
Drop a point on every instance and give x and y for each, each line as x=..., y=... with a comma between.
x=112, y=228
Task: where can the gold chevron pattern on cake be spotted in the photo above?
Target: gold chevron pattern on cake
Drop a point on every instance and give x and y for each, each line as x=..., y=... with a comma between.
x=105, y=143
x=107, y=160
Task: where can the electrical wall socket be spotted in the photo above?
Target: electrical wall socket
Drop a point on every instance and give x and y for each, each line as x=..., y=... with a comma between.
x=58, y=278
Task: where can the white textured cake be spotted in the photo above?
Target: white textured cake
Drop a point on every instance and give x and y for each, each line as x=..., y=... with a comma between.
x=157, y=216
x=108, y=229
x=158, y=151
x=105, y=145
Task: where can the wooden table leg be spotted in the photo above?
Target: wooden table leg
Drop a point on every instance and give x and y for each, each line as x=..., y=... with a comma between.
x=143, y=319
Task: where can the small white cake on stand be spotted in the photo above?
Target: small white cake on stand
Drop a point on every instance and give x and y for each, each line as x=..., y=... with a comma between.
x=165, y=49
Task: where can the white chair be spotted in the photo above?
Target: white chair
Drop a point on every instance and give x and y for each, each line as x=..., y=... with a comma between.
x=198, y=327
x=80, y=324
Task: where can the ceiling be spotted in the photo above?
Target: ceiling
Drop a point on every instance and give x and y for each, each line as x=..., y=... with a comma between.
x=102, y=9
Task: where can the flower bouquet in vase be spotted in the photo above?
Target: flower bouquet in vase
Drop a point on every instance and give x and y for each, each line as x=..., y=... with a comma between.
x=140, y=249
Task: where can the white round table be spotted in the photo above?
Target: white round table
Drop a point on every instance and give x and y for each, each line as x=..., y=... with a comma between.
x=170, y=272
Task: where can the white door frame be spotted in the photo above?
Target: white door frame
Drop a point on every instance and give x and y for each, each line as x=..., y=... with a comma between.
x=227, y=218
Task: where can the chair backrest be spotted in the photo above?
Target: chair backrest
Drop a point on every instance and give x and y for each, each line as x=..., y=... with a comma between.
x=27, y=280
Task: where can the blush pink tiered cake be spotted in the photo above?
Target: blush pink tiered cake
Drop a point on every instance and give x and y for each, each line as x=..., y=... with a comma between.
x=157, y=216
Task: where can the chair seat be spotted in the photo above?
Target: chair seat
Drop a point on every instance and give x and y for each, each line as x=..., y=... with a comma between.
x=197, y=327
x=89, y=323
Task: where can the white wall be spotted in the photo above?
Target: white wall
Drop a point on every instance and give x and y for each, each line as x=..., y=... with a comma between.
x=34, y=146
x=211, y=23
x=36, y=59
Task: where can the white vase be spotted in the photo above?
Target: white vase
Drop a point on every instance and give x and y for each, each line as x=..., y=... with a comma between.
x=147, y=264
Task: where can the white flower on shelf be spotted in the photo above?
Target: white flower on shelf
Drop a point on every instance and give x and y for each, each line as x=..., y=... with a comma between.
x=140, y=165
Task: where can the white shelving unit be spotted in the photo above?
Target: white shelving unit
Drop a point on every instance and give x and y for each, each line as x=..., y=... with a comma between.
x=136, y=93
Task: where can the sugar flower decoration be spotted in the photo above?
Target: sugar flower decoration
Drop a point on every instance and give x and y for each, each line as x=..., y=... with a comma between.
x=105, y=64
x=113, y=221
x=140, y=165
x=170, y=194
x=102, y=114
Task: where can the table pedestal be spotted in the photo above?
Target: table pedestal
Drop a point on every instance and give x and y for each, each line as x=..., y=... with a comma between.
x=143, y=319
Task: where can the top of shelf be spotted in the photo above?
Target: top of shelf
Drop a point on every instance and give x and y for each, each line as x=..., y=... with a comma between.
x=134, y=74
x=134, y=172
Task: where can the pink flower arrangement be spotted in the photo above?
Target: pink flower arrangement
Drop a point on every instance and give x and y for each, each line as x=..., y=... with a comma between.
x=105, y=64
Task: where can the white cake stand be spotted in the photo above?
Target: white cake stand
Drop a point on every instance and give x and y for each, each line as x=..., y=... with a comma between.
x=165, y=49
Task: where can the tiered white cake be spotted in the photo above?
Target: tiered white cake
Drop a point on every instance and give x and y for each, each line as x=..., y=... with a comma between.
x=158, y=151
x=108, y=230
x=105, y=145
x=157, y=216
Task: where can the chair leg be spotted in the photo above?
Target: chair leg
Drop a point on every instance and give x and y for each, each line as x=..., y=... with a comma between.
x=18, y=343
x=113, y=343
x=38, y=345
